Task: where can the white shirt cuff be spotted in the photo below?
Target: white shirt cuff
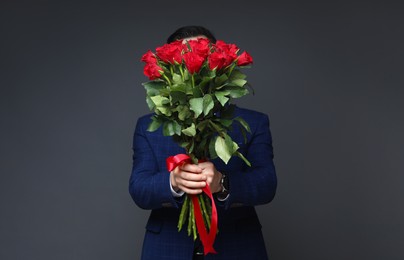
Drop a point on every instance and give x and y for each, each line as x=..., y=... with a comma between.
x=174, y=193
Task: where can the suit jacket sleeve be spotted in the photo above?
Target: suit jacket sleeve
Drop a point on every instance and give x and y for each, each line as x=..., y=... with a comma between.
x=257, y=184
x=148, y=186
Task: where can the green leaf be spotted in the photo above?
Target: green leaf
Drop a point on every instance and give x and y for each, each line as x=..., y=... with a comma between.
x=177, y=128
x=236, y=92
x=150, y=103
x=220, y=80
x=168, y=129
x=208, y=104
x=202, y=125
x=165, y=92
x=177, y=79
x=212, y=73
x=202, y=144
x=154, y=124
x=238, y=82
x=225, y=122
x=189, y=131
x=205, y=80
x=222, y=86
x=196, y=105
x=183, y=112
x=215, y=127
x=237, y=153
x=221, y=97
x=237, y=74
x=196, y=92
x=191, y=148
x=153, y=88
x=159, y=100
x=184, y=144
x=186, y=75
x=231, y=145
x=164, y=110
x=212, y=145
x=243, y=123
x=177, y=96
x=222, y=150
x=179, y=87
x=243, y=158
x=171, y=128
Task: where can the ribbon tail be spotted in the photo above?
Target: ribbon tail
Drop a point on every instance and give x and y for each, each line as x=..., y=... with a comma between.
x=214, y=220
x=206, y=238
x=207, y=250
x=213, y=223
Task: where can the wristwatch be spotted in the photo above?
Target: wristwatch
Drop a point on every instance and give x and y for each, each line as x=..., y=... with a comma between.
x=224, y=193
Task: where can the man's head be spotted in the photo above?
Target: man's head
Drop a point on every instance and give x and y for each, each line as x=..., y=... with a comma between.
x=191, y=32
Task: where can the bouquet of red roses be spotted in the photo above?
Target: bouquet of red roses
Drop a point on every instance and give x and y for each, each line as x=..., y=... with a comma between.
x=190, y=90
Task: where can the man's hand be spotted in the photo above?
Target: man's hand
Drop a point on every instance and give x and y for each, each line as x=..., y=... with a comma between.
x=188, y=178
x=191, y=178
x=213, y=176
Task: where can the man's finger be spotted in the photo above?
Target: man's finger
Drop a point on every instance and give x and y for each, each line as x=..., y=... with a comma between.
x=190, y=176
x=191, y=168
x=193, y=184
x=190, y=191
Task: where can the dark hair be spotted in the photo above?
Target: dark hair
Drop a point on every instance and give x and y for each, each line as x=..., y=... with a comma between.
x=191, y=31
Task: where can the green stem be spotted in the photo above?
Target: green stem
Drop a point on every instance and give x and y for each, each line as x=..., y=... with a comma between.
x=190, y=217
x=193, y=158
x=231, y=69
x=168, y=80
x=184, y=211
x=204, y=210
x=195, y=235
x=182, y=72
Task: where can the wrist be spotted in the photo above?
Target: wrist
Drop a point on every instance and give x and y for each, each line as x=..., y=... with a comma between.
x=173, y=183
x=218, y=186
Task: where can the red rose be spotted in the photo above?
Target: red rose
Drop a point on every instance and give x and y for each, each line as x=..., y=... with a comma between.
x=230, y=57
x=153, y=71
x=244, y=59
x=228, y=48
x=216, y=60
x=170, y=53
x=193, y=61
x=200, y=46
x=229, y=52
x=149, y=57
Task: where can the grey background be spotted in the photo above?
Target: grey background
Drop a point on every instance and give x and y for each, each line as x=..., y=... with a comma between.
x=329, y=74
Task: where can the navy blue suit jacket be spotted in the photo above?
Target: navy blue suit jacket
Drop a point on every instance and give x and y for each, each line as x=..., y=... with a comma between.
x=239, y=235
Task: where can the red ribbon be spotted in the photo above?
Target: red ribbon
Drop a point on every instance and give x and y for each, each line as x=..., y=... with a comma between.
x=207, y=239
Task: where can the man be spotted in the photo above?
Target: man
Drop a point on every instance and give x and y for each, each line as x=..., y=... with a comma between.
x=237, y=188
